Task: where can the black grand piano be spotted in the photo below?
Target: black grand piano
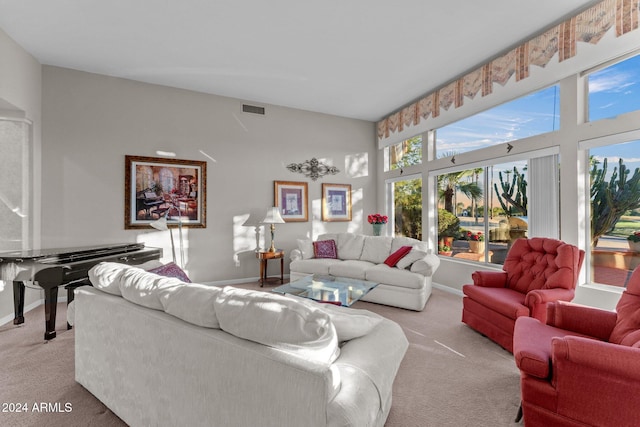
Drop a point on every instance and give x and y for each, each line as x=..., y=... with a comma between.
x=51, y=268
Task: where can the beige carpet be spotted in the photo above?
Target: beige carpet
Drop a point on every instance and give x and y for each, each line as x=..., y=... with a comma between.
x=451, y=375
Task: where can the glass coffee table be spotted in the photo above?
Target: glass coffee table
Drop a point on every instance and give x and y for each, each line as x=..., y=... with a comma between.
x=336, y=290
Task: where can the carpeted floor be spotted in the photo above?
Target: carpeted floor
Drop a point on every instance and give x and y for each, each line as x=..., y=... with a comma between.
x=450, y=376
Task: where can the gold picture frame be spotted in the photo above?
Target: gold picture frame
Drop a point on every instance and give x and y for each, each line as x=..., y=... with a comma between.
x=293, y=200
x=157, y=187
x=336, y=202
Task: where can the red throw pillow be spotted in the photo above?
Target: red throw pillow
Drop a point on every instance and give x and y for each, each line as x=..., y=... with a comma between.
x=325, y=249
x=393, y=259
x=171, y=270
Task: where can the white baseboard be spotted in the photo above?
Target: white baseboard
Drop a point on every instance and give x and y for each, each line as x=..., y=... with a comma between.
x=447, y=289
x=6, y=319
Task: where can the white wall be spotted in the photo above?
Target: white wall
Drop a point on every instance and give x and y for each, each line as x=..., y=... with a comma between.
x=20, y=92
x=92, y=121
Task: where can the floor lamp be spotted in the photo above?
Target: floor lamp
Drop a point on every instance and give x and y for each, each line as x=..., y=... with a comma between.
x=161, y=225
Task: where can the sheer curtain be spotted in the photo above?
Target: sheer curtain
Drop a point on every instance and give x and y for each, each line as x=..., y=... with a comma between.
x=544, y=209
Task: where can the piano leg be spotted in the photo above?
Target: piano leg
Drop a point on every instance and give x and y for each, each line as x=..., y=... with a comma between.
x=18, y=302
x=50, y=307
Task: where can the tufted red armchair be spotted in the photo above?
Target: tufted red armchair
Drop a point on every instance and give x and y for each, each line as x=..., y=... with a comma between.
x=535, y=272
x=583, y=366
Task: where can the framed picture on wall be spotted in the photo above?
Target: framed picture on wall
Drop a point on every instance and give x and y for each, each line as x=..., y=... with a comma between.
x=336, y=202
x=292, y=199
x=156, y=187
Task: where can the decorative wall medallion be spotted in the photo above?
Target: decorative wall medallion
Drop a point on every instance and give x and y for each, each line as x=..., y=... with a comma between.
x=313, y=169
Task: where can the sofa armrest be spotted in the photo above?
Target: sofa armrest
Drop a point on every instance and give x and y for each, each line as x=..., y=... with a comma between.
x=585, y=320
x=570, y=355
x=295, y=255
x=426, y=266
x=490, y=279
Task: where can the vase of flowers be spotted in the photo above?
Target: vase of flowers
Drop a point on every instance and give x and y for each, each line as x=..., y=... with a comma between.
x=634, y=241
x=476, y=242
x=377, y=221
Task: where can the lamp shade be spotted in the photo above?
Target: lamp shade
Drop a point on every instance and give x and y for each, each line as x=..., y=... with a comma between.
x=160, y=224
x=273, y=216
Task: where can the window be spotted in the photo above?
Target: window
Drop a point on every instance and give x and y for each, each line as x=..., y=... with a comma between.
x=407, y=207
x=614, y=90
x=530, y=115
x=403, y=154
x=483, y=210
x=14, y=184
x=614, y=180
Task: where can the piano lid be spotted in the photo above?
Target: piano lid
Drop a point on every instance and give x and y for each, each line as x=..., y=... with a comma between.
x=68, y=254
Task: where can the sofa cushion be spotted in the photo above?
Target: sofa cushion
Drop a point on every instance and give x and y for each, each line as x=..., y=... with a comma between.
x=141, y=287
x=350, y=245
x=305, y=246
x=278, y=321
x=384, y=274
x=325, y=249
x=413, y=256
x=351, y=323
x=328, y=236
x=171, y=270
x=192, y=302
x=401, y=241
x=313, y=266
x=350, y=268
x=376, y=249
x=106, y=277
x=393, y=259
x=505, y=301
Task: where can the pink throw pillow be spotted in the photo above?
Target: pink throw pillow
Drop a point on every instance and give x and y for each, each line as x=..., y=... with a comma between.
x=393, y=259
x=325, y=249
x=171, y=270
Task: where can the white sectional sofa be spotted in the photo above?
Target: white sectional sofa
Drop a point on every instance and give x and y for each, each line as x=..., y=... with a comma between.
x=406, y=285
x=160, y=352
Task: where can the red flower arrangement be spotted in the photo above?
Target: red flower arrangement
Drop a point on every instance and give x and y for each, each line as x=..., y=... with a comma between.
x=477, y=237
x=377, y=219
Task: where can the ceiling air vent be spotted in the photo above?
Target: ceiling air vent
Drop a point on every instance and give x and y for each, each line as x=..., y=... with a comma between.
x=252, y=109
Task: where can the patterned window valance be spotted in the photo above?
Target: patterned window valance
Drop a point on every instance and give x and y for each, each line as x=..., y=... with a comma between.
x=587, y=27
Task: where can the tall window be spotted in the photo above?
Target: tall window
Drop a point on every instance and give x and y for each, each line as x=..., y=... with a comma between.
x=614, y=212
x=614, y=90
x=407, y=207
x=14, y=184
x=529, y=115
x=403, y=154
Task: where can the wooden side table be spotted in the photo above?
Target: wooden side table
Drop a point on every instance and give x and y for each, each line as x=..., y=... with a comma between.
x=266, y=256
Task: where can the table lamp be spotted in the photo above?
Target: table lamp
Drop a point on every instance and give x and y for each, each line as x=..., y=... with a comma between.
x=273, y=217
x=254, y=221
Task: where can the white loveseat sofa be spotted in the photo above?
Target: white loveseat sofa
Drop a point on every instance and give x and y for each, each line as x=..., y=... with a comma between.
x=160, y=352
x=407, y=285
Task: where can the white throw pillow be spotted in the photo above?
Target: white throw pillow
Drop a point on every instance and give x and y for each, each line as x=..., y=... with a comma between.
x=141, y=287
x=400, y=241
x=306, y=248
x=278, y=321
x=410, y=258
x=192, y=302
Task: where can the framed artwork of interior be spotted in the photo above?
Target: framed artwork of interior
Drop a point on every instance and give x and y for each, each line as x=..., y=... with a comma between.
x=292, y=199
x=336, y=202
x=156, y=187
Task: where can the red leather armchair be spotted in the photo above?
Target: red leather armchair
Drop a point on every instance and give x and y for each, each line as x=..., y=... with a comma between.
x=583, y=366
x=535, y=272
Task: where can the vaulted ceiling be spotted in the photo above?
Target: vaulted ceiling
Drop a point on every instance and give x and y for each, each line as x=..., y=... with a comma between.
x=352, y=58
